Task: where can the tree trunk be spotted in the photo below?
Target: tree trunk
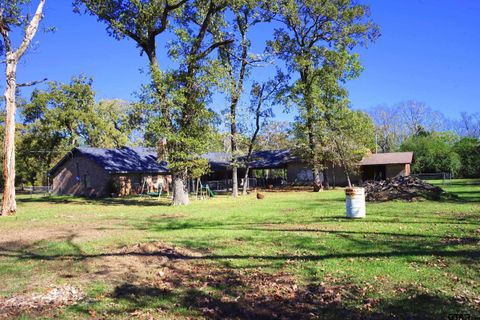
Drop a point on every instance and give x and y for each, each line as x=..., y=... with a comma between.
x=9, y=205
x=245, y=181
x=348, y=179
x=234, y=149
x=234, y=181
x=305, y=77
x=326, y=182
x=180, y=189
x=334, y=181
x=317, y=180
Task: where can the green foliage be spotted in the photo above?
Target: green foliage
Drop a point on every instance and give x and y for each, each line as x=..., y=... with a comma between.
x=316, y=40
x=348, y=136
x=433, y=152
x=175, y=101
x=275, y=135
x=65, y=116
x=468, y=150
x=139, y=20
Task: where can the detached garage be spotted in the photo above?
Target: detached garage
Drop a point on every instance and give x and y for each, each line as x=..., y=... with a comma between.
x=380, y=166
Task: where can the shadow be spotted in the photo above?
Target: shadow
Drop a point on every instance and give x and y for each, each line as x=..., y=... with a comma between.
x=238, y=295
x=461, y=199
x=129, y=201
x=27, y=252
x=130, y=291
x=199, y=285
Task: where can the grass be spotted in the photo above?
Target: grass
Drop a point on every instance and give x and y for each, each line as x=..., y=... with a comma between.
x=243, y=256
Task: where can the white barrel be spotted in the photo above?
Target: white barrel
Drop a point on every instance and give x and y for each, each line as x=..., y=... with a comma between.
x=355, y=202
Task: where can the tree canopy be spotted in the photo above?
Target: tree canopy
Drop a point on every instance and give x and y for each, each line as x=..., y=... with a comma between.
x=434, y=152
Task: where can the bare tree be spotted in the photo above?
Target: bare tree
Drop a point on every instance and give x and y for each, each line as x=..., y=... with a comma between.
x=417, y=116
x=468, y=125
x=394, y=124
x=11, y=16
x=388, y=131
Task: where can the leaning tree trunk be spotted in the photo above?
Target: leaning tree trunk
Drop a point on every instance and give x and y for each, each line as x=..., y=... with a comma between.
x=348, y=179
x=9, y=205
x=180, y=189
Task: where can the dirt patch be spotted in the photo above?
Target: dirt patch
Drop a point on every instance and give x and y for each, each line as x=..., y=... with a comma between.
x=218, y=292
x=39, y=303
x=210, y=289
x=75, y=231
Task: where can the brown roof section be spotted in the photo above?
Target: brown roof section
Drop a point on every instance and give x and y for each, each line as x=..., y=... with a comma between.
x=387, y=158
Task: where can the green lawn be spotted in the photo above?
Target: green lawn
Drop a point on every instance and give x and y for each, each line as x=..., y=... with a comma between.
x=292, y=255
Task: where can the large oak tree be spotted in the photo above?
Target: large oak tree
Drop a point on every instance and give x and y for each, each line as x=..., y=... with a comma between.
x=182, y=120
x=311, y=33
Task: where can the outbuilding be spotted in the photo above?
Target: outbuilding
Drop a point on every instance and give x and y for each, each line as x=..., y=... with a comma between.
x=380, y=166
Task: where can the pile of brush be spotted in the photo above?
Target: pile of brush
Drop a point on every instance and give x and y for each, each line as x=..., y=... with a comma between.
x=402, y=188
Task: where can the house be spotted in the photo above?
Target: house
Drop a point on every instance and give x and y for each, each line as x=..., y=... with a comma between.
x=282, y=166
x=97, y=172
x=102, y=172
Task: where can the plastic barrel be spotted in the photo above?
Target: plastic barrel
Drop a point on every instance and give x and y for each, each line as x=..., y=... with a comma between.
x=355, y=202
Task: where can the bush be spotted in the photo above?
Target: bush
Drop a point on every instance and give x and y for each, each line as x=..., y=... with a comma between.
x=468, y=150
x=433, y=152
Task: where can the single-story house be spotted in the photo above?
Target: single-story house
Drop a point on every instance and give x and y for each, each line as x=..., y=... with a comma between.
x=98, y=172
x=295, y=171
x=101, y=172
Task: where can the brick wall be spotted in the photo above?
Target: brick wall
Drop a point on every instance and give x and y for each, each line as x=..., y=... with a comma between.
x=80, y=176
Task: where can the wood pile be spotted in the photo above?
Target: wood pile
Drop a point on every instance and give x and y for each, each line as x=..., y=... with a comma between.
x=401, y=188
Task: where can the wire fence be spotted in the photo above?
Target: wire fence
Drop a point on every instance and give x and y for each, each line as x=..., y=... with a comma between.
x=38, y=190
x=446, y=177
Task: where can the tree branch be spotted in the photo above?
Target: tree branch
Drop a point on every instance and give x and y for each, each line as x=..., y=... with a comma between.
x=4, y=32
x=213, y=46
x=30, y=30
x=31, y=83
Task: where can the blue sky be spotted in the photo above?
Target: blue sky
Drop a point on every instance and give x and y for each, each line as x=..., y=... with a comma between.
x=428, y=51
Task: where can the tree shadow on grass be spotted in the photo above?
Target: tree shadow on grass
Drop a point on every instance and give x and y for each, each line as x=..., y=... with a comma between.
x=21, y=251
x=133, y=201
x=255, y=296
x=201, y=285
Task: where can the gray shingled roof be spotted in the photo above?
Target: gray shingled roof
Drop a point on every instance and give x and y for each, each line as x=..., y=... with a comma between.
x=387, y=158
x=144, y=160
x=271, y=159
x=218, y=160
x=122, y=160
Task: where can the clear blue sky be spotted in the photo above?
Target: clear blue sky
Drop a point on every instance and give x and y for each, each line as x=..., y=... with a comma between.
x=429, y=51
